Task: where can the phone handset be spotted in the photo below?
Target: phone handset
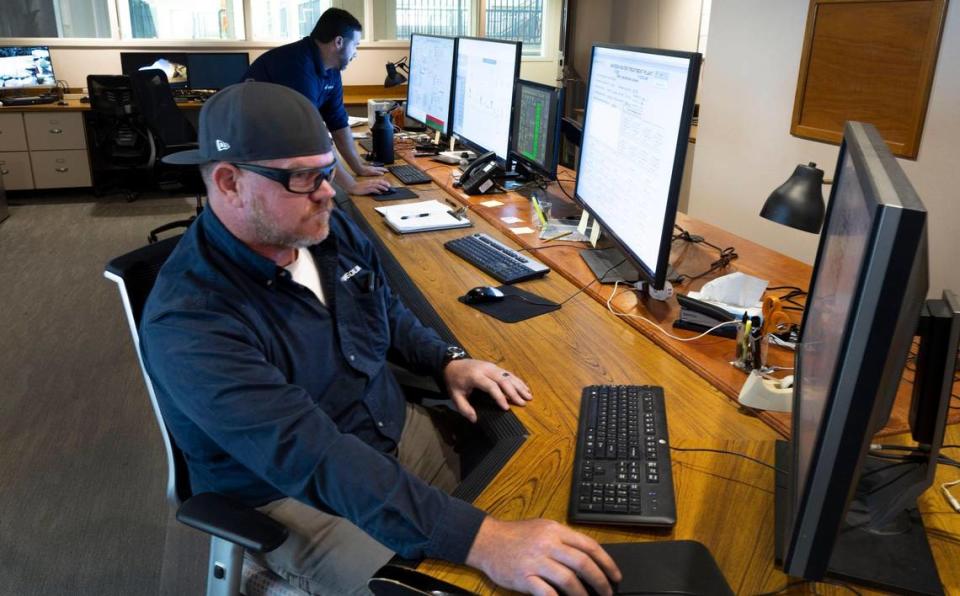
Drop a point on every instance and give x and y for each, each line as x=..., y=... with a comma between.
x=479, y=177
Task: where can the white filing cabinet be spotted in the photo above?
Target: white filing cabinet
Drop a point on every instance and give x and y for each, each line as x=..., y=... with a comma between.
x=43, y=150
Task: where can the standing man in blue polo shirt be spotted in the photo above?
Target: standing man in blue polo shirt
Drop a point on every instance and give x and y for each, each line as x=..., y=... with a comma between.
x=312, y=66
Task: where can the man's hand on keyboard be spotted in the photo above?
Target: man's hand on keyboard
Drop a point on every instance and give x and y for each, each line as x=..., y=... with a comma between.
x=369, y=187
x=541, y=557
x=368, y=170
x=463, y=376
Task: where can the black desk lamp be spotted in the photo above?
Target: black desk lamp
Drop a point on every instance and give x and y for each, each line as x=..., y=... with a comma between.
x=394, y=78
x=798, y=202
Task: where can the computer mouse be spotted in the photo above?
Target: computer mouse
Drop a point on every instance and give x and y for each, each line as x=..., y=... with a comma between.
x=483, y=294
x=389, y=191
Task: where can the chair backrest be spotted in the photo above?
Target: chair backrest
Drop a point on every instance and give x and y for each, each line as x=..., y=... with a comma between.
x=111, y=95
x=135, y=274
x=160, y=112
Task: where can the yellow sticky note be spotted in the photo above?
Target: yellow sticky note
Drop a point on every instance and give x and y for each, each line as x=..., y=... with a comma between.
x=594, y=234
x=522, y=230
x=491, y=203
x=584, y=222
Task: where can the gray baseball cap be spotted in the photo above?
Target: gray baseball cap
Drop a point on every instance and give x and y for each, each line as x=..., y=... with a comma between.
x=254, y=121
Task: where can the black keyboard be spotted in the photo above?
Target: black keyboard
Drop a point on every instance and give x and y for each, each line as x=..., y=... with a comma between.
x=496, y=259
x=28, y=100
x=621, y=474
x=409, y=174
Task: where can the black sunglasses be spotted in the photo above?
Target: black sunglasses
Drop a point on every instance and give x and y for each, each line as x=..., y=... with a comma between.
x=300, y=181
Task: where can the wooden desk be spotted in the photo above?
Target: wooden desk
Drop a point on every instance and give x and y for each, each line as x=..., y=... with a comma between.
x=724, y=502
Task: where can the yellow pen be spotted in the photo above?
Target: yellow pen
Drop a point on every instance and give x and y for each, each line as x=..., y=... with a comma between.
x=557, y=237
x=536, y=207
x=746, y=336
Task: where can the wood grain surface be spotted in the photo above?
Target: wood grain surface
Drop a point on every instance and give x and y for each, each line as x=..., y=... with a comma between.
x=723, y=501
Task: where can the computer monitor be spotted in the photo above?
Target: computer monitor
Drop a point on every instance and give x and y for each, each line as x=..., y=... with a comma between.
x=26, y=66
x=216, y=70
x=486, y=71
x=535, y=143
x=430, y=85
x=636, y=129
x=842, y=512
x=174, y=64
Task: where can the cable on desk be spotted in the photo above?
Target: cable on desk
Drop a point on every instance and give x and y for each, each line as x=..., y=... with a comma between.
x=785, y=587
x=616, y=284
x=725, y=452
x=727, y=255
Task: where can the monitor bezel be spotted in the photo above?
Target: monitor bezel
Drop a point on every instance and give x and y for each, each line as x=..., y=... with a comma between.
x=448, y=127
x=557, y=97
x=658, y=276
x=190, y=84
x=817, y=504
x=478, y=148
x=53, y=71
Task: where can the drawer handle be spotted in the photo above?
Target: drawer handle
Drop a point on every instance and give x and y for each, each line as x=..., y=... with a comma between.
x=62, y=170
x=56, y=131
x=4, y=172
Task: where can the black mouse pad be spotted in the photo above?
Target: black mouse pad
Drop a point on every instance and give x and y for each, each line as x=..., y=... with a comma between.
x=398, y=193
x=667, y=567
x=516, y=306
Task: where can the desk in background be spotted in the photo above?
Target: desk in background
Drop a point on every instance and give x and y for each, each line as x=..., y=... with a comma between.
x=722, y=501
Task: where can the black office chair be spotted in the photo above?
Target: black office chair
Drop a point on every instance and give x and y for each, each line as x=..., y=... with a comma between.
x=233, y=527
x=121, y=148
x=170, y=132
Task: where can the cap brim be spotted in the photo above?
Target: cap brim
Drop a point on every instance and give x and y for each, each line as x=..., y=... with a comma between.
x=185, y=158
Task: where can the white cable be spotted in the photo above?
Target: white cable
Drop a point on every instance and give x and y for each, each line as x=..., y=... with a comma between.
x=945, y=489
x=616, y=285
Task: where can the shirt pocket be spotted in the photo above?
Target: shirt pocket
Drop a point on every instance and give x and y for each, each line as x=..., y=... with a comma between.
x=365, y=325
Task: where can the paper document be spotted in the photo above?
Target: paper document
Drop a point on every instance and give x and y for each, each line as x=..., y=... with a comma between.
x=422, y=216
x=356, y=120
x=735, y=289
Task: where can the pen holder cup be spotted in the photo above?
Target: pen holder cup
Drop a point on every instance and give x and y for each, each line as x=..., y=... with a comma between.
x=545, y=209
x=751, y=350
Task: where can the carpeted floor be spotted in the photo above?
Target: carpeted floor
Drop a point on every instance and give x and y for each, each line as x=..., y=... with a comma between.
x=82, y=469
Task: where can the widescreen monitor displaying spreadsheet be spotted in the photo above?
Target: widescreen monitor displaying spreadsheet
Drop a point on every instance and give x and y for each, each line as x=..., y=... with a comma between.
x=28, y=66
x=536, y=127
x=430, y=85
x=486, y=73
x=635, y=134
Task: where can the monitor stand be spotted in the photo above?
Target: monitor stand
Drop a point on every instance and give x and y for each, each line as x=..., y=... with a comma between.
x=601, y=259
x=898, y=558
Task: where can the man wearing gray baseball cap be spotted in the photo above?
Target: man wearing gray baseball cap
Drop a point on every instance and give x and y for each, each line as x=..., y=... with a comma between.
x=266, y=337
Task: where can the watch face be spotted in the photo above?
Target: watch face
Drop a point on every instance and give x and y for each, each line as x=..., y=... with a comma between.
x=455, y=353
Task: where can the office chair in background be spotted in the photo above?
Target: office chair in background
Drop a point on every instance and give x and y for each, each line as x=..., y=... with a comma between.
x=170, y=132
x=122, y=151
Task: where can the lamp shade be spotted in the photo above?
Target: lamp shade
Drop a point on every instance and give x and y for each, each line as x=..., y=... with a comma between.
x=798, y=202
x=394, y=77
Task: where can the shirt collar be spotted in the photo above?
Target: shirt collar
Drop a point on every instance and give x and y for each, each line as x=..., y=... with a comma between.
x=314, y=52
x=263, y=269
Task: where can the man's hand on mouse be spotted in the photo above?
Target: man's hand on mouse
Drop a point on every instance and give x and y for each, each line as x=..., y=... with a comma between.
x=505, y=388
x=542, y=557
x=369, y=187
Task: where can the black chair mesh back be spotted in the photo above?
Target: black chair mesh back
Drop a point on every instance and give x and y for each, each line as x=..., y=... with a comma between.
x=139, y=270
x=160, y=112
x=111, y=95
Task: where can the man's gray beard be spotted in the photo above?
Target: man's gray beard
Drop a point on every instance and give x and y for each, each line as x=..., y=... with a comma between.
x=268, y=234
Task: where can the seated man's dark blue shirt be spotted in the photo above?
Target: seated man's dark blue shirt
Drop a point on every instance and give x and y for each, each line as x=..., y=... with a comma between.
x=298, y=65
x=270, y=393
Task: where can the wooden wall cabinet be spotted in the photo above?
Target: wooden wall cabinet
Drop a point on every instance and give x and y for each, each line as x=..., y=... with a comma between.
x=871, y=61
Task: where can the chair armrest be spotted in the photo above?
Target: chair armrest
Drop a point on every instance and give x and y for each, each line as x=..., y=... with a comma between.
x=233, y=521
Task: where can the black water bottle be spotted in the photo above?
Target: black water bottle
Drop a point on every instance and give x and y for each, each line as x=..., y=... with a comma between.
x=383, y=137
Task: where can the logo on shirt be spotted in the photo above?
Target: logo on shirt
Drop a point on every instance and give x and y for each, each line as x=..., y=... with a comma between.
x=222, y=145
x=327, y=87
x=351, y=273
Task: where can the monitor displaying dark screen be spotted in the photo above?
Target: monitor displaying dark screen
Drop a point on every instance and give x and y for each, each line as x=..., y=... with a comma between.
x=847, y=512
x=174, y=64
x=216, y=70
x=28, y=66
x=536, y=127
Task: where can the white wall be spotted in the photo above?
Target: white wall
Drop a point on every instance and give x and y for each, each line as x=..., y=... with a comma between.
x=744, y=146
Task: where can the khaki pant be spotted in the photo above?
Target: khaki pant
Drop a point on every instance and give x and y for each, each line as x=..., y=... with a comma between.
x=327, y=554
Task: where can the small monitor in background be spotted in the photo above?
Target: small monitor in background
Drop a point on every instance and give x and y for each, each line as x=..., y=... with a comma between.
x=174, y=64
x=216, y=70
x=534, y=143
x=635, y=134
x=26, y=66
x=486, y=73
x=430, y=87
